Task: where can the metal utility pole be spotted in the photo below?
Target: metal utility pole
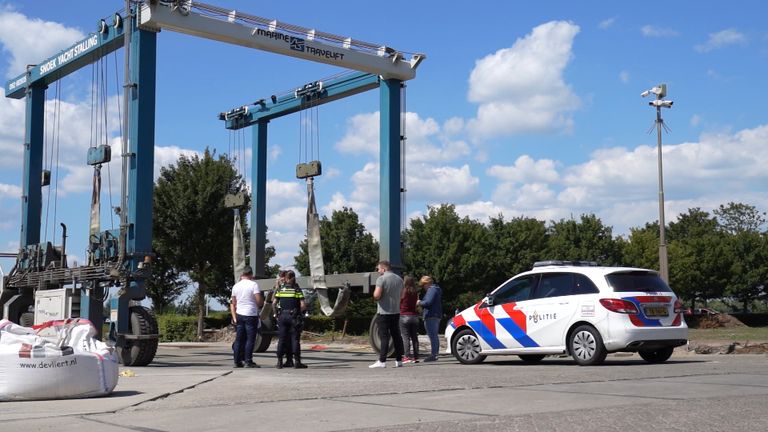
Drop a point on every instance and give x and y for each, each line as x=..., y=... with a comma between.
x=660, y=91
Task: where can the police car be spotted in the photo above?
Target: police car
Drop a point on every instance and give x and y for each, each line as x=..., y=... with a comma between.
x=576, y=308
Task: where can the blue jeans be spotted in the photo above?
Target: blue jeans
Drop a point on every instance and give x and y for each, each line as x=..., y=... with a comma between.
x=433, y=327
x=245, y=338
x=409, y=328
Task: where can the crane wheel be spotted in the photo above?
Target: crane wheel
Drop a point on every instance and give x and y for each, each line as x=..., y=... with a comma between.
x=139, y=352
x=27, y=319
x=262, y=343
x=374, y=339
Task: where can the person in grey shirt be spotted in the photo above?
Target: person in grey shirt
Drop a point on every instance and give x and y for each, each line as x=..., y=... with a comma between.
x=389, y=288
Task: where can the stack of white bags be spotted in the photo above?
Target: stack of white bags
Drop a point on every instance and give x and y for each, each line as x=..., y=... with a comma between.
x=55, y=360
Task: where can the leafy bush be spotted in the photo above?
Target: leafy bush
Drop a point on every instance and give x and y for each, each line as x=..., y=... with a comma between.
x=217, y=319
x=177, y=328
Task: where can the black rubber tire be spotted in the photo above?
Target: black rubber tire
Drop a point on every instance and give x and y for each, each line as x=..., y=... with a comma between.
x=466, y=347
x=27, y=319
x=375, y=341
x=531, y=358
x=262, y=342
x=139, y=352
x=657, y=356
x=586, y=346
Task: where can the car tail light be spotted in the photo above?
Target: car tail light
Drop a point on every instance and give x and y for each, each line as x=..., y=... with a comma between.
x=619, y=306
x=678, y=306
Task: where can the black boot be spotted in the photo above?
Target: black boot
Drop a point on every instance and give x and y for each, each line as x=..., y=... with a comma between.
x=279, y=363
x=288, y=363
x=298, y=364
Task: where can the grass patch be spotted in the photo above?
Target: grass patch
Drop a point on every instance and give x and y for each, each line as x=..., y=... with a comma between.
x=736, y=334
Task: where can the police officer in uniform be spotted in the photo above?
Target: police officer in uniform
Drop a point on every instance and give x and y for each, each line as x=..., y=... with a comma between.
x=290, y=305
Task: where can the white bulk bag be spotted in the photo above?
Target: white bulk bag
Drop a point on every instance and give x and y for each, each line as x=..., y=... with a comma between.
x=55, y=360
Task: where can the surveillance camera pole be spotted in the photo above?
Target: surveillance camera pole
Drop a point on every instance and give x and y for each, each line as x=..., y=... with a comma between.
x=663, y=265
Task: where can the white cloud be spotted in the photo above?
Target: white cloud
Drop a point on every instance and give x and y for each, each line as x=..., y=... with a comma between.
x=330, y=173
x=288, y=219
x=11, y=130
x=9, y=191
x=722, y=39
x=521, y=88
x=526, y=170
x=368, y=213
x=717, y=169
x=695, y=120
x=624, y=76
x=169, y=155
x=282, y=194
x=38, y=40
x=366, y=183
x=655, y=31
x=453, y=126
x=442, y=184
x=362, y=137
x=424, y=182
x=274, y=152
x=607, y=23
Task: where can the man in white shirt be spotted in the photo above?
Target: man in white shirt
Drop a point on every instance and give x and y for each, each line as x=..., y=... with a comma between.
x=247, y=301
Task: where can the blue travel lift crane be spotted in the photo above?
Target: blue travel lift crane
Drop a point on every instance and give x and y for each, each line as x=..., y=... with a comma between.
x=123, y=257
x=260, y=113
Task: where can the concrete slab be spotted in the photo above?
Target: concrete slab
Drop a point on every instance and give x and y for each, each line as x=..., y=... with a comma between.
x=148, y=384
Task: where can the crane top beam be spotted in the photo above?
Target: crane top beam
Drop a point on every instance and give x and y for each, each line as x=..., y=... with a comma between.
x=107, y=39
x=312, y=94
x=251, y=31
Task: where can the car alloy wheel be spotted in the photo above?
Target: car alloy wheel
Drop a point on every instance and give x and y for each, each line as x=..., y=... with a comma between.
x=587, y=347
x=466, y=348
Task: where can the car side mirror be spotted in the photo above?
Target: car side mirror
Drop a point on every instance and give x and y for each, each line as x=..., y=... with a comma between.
x=489, y=300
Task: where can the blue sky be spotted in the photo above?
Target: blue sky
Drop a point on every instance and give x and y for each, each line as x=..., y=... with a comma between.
x=529, y=109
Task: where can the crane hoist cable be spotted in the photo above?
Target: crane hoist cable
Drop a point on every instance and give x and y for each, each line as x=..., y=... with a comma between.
x=99, y=151
x=314, y=244
x=53, y=163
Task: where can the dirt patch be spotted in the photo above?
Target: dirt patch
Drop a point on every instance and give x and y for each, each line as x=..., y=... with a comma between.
x=720, y=320
x=226, y=334
x=728, y=348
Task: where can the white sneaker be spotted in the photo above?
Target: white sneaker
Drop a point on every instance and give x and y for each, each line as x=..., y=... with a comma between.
x=398, y=364
x=380, y=364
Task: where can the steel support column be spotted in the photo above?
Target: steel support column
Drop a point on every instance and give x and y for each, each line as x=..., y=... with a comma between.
x=31, y=200
x=141, y=160
x=259, y=199
x=389, y=174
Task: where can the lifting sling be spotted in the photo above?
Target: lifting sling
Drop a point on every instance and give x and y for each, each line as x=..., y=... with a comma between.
x=316, y=266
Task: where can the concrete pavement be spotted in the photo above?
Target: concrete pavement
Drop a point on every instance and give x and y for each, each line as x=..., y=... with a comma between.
x=193, y=388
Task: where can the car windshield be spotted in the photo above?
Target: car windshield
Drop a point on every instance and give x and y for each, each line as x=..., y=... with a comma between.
x=637, y=281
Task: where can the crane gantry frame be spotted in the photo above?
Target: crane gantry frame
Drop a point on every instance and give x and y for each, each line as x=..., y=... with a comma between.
x=146, y=19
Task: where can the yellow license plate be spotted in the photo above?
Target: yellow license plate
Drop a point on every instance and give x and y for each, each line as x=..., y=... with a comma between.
x=656, y=311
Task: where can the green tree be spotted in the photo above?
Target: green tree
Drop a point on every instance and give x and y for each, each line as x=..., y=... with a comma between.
x=641, y=249
x=165, y=285
x=698, y=263
x=587, y=239
x=192, y=228
x=747, y=249
x=735, y=218
x=451, y=249
x=749, y=267
x=514, y=246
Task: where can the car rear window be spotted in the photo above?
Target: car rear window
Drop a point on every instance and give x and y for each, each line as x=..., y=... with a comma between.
x=637, y=281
